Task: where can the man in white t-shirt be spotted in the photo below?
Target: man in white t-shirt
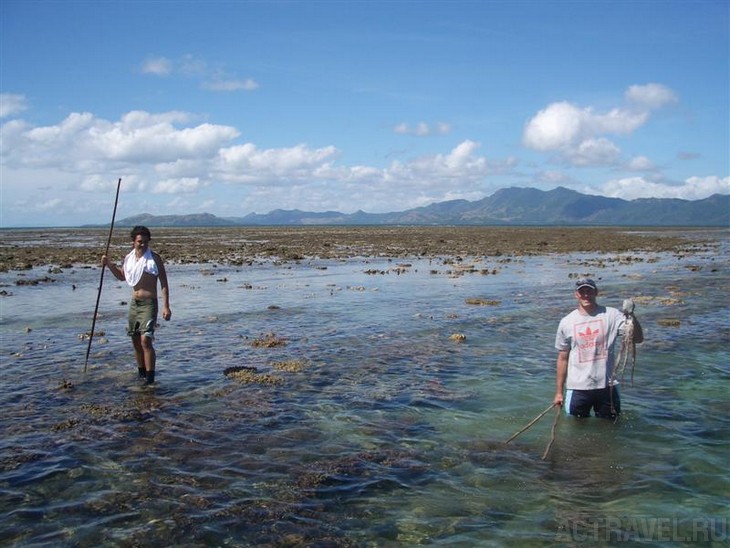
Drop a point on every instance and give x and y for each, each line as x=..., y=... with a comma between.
x=586, y=341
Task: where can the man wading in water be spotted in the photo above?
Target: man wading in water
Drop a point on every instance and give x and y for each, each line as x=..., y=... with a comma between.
x=141, y=270
x=585, y=341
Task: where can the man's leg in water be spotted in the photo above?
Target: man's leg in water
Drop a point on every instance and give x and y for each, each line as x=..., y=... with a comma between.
x=150, y=358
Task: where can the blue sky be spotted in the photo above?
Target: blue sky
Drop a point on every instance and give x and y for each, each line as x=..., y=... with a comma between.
x=237, y=107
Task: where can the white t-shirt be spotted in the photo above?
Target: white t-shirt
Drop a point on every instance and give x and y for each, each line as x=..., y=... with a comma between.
x=134, y=267
x=590, y=340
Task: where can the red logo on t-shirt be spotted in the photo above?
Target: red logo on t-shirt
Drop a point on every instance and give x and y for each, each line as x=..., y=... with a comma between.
x=591, y=342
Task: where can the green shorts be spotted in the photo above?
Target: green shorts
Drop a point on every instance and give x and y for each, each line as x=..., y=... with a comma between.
x=142, y=317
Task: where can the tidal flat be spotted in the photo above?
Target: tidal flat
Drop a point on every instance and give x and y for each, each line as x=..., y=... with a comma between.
x=356, y=386
x=27, y=248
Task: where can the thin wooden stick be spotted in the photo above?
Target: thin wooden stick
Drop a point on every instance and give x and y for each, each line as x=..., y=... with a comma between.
x=533, y=421
x=101, y=281
x=552, y=433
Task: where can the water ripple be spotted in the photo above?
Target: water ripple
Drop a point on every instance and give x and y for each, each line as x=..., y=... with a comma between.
x=367, y=423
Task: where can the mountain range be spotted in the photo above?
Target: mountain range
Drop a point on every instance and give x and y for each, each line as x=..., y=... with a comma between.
x=508, y=206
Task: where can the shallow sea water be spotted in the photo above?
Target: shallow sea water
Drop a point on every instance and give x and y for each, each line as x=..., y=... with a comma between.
x=387, y=433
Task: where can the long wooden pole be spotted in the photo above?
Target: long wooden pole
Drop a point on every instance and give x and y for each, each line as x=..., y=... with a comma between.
x=533, y=421
x=101, y=281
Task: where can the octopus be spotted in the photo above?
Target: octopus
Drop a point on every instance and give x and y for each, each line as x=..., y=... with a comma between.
x=627, y=350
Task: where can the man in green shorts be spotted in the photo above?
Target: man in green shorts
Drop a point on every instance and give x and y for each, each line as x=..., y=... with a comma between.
x=141, y=270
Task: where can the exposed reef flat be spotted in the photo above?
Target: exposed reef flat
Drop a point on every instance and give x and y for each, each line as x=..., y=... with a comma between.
x=22, y=249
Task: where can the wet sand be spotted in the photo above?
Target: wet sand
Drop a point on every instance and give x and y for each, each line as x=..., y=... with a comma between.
x=63, y=247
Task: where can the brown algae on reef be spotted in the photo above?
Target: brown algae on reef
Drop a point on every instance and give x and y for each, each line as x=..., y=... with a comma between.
x=269, y=340
x=290, y=366
x=250, y=375
x=24, y=250
x=482, y=302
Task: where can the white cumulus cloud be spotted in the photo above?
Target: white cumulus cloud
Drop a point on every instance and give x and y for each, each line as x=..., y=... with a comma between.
x=640, y=163
x=177, y=186
x=82, y=141
x=461, y=164
x=594, y=152
x=693, y=188
x=248, y=164
x=652, y=96
x=580, y=135
x=563, y=126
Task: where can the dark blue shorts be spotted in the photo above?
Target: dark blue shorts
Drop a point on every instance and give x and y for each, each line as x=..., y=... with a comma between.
x=580, y=402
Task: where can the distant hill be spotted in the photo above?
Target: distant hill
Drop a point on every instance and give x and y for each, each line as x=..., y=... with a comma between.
x=508, y=206
x=195, y=219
